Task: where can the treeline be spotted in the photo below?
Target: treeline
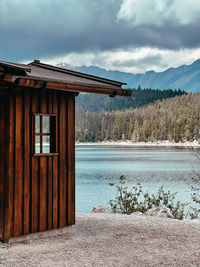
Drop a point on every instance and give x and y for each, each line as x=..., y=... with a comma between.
x=176, y=119
x=140, y=97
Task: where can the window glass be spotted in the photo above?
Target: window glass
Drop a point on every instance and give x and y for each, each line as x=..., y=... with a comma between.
x=46, y=124
x=37, y=124
x=45, y=134
x=37, y=144
x=46, y=144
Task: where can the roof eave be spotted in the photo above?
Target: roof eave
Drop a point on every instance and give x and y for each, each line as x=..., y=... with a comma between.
x=14, y=68
x=20, y=75
x=69, y=87
x=76, y=73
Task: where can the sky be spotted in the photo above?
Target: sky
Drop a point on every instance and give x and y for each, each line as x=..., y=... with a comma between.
x=126, y=35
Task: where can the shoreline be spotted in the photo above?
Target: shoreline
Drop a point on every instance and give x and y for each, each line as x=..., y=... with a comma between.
x=140, y=144
x=100, y=239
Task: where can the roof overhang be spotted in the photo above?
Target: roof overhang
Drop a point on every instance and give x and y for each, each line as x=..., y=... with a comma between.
x=41, y=76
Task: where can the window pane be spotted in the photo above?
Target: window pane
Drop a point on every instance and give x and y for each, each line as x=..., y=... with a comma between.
x=46, y=144
x=37, y=124
x=45, y=124
x=45, y=134
x=37, y=144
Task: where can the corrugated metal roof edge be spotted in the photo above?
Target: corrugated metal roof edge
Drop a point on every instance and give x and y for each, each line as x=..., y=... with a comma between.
x=76, y=73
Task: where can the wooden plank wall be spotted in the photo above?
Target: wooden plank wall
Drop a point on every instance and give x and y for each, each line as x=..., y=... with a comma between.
x=2, y=162
x=40, y=190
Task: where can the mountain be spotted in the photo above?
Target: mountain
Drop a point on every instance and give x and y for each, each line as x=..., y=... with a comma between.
x=185, y=77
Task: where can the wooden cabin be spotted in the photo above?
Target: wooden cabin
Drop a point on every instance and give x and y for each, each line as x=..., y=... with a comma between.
x=37, y=144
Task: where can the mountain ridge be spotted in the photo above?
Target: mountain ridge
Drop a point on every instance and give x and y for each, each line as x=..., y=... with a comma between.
x=184, y=77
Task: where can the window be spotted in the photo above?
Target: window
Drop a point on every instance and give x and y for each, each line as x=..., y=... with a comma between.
x=44, y=134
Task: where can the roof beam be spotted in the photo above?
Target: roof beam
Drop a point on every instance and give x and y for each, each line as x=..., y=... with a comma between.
x=76, y=73
x=63, y=85
x=71, y=87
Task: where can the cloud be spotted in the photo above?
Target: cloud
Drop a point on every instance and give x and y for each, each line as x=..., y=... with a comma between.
x=133, y=60
x=158, y=13
x=36, y=29
x=149, y=60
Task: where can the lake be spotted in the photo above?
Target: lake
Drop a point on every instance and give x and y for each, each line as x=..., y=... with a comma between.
x=97, y=166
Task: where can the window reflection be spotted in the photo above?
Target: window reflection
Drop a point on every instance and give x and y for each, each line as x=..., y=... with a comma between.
x=37, y=124
x=46, y=144
x=45, y=134
x=46, y=124
x=37, y=144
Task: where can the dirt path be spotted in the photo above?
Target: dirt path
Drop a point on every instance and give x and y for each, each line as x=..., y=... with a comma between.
x=112, y=240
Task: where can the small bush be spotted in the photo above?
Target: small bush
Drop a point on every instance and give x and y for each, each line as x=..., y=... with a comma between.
x=127, y=202
x=194, y=186
x=195, y=195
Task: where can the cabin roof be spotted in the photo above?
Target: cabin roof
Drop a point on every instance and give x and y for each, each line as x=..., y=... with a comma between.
x=40, y=75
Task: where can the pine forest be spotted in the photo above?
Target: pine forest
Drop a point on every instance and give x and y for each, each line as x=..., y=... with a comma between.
x=175, y=119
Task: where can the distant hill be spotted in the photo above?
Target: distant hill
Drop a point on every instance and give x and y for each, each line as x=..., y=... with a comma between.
x=175, y=119
x=96, y=103
x=185, y=77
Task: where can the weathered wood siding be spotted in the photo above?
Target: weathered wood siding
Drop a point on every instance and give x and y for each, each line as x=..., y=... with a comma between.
x=40, y=189
x=2, y=160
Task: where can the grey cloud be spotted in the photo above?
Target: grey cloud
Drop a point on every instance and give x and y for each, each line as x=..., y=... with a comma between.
x=148, y=60
x=34, y=29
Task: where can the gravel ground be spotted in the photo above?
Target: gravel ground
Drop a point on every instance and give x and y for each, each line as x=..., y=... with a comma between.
x=111, y=240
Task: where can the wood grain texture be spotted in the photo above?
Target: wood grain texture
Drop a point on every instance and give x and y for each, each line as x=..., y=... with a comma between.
x=18, y=182
x=43, y=174
x=2, y=162
x=37, y=193
x=27, y=159
x=35, y=175
x=63, y=160
x=50, y=173
x=9, y=169
x=71, y=160
x=55, y=168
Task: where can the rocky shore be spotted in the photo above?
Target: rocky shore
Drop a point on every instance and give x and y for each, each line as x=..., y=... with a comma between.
x=103, y=239
x=129, y=143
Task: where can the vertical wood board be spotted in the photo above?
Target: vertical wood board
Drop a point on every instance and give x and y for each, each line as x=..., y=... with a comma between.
x=37, y=193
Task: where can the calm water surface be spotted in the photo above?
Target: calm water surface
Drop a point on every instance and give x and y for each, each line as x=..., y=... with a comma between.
x=96, y=166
